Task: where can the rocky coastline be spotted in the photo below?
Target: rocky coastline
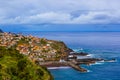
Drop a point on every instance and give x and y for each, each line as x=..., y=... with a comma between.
x=48, y=53
x=75, y=63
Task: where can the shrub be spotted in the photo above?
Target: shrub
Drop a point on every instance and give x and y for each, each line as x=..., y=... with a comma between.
x=39, y=72
x=22, y=64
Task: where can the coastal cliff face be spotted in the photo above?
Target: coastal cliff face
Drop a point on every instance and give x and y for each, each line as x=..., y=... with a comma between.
x=62, y=50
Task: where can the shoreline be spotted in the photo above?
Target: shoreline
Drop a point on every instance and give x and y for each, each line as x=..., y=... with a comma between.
x=75, y=64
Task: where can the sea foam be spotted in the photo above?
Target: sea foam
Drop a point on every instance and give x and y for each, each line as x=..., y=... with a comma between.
x=97, y=63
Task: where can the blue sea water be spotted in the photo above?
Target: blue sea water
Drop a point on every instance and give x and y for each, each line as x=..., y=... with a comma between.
x=99, y=44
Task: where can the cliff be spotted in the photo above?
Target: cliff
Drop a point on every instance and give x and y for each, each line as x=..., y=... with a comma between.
x=15, y=66
x=61, y=48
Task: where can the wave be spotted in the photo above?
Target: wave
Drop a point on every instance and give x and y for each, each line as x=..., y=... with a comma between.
x=78, y=50
x=87, y=56
x=89, y=71
x=97, y=63
x=90, y=55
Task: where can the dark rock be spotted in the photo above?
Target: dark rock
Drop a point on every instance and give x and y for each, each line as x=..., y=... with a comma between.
x=79, y=54
x=73, y=57
x=88, y=60
x=110, y=60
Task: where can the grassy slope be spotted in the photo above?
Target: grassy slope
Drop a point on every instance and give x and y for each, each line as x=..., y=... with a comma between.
x=15, y=66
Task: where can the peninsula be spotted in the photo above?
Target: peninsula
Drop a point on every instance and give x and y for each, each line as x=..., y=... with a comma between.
x=44, y=52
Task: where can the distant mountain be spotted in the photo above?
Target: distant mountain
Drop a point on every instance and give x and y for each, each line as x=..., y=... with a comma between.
x=1, y=31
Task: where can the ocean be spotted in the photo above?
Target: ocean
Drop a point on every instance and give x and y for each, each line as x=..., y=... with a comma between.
x=98, y=44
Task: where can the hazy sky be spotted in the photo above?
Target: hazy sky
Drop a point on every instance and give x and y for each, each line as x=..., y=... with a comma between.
x=59, y=11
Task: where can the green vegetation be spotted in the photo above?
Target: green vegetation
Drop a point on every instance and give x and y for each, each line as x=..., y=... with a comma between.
x=23, y=40
x=59, y=46
x=15, y=66
x=43, y=41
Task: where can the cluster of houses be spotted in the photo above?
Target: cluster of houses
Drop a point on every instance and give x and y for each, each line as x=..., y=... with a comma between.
x=9, y=39
x=30, y=46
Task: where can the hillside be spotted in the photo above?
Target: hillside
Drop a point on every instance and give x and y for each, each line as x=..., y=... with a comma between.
x=15, y=66
x=21, y=56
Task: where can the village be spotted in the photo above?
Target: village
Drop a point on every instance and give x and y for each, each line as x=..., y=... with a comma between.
x=37, y=49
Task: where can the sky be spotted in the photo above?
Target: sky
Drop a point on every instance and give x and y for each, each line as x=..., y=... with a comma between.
x=59, y=11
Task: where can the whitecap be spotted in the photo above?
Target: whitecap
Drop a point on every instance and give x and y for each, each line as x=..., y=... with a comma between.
x=97, y=63
x=90, y=55
x=89, y=71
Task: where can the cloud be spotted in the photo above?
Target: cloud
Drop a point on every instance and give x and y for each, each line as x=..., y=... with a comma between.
x=92, y=17
x=49, y=17
x=59, y=12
